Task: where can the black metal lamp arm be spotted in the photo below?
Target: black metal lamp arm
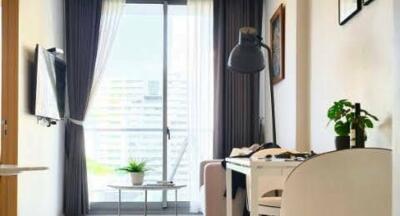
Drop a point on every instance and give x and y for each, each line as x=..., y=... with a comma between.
x=271, y=85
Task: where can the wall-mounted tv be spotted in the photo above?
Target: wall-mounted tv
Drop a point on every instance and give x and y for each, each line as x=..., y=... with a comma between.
x=49, y=87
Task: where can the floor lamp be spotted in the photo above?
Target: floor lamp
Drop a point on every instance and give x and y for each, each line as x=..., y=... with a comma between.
x=247, y=58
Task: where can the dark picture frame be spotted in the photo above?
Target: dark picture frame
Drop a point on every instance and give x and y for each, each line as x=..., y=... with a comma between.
x=367, y=2
x=348, y=9
x=277, y=37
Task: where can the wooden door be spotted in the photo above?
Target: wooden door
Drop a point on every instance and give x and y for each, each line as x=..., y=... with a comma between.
x=9, y=104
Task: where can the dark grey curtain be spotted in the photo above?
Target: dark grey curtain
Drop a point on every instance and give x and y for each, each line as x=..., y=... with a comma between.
x=82, y=35
x=236, y=117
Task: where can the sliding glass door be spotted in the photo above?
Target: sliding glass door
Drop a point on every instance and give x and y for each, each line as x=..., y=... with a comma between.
x=125, y=120
x=140, y=110
x=178, y=168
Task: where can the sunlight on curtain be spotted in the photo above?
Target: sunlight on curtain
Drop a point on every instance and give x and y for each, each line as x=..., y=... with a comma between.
x=110, y=18
x=201, y=88
x=112, y=10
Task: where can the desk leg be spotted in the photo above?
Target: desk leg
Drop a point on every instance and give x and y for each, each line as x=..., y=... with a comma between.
x=228, y=174
x=253, y=193
x=145, y=202
x=119, y=202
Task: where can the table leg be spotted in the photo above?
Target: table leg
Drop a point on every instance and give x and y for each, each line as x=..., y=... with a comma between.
x=228, y=173
x=254, y=192
x=176, y=201
x=119, y=202
x=145, y=202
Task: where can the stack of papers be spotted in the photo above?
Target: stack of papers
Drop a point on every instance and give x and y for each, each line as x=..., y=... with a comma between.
x=162, y=183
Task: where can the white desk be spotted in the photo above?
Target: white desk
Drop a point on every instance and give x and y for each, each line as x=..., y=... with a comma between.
x=13, y=170
x=254, y=169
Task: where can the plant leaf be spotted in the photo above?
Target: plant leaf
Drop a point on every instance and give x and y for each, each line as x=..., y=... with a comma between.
x=368, y=123
x=135, y=166
x=331, y=113
x=370, y=115
x=342, y=128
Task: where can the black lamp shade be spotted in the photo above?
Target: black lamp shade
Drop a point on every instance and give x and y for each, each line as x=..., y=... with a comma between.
x=247, y=57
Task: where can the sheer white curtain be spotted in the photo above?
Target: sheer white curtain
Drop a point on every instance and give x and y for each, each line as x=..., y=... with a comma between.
x=112, y=11
x=200, y=90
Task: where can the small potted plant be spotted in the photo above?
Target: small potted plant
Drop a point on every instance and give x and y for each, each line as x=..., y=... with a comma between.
x=136, y=170
x=342, y=113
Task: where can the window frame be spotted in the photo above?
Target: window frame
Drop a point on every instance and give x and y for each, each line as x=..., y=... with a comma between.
x=183, y=206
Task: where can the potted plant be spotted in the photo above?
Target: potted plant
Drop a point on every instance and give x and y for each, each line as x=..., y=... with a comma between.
x=136, y=170
x=343, y=114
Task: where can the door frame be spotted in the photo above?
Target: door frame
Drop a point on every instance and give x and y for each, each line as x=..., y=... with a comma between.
x=165, y=129
x=9, y=102
x=103, y=207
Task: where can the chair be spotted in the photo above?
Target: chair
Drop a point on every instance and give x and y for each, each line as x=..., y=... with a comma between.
x=353, y=182
x=213, y=184
x=269, y=203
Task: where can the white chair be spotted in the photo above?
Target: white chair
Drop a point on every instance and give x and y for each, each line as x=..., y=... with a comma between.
x=353, y=182
x=269, y=203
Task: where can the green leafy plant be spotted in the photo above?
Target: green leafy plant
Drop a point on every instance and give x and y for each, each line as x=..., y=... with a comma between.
x=135, y=167
x=342, y=113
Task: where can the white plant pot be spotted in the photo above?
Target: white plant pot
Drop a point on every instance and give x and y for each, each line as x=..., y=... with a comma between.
x=137, y=178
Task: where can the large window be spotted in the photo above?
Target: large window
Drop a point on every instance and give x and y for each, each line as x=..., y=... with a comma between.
x=125, y=119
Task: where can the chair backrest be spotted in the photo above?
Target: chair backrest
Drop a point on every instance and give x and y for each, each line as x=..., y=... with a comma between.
x=355, y=182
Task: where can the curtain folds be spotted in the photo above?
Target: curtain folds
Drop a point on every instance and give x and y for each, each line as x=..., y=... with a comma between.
x=91, y=27
x=82, y=29
x=236, y=97
x=200, y=91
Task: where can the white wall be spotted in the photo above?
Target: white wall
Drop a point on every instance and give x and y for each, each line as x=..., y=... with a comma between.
x=291, y=94
x=396, y=114
x=353, y=61
x=39, y=193
x=326, y=62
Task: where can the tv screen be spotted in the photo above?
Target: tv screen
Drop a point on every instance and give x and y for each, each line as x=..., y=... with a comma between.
x=49, y=85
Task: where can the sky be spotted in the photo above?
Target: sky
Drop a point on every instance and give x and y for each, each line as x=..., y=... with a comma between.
x=137, y=51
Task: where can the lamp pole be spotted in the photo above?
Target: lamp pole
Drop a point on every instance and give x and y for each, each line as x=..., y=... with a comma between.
x=271, y=86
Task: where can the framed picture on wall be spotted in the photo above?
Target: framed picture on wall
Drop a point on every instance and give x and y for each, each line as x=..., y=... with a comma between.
x=277, y=31
x=348, y=9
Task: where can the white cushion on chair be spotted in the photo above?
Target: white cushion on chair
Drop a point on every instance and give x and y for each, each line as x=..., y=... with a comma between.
x=269, y=206
x=274, y=202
